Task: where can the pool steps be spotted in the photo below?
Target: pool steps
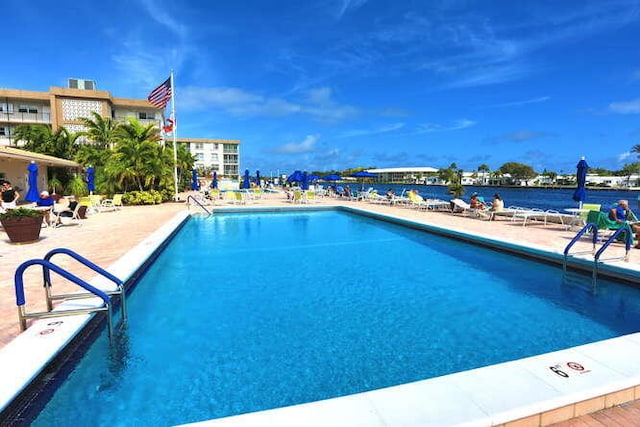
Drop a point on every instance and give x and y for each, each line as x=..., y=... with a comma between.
x=92, y=291
x=592, y=228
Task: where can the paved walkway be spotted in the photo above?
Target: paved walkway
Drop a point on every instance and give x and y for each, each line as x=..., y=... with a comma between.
x=106, y=236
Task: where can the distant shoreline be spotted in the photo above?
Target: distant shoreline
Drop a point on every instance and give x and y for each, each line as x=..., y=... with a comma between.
x=530, y=187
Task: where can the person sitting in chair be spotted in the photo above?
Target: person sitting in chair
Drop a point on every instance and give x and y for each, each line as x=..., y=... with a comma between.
x=621, y=214
x=73, y=203
x=475, y=203
x=497, y=205
x=45, y=201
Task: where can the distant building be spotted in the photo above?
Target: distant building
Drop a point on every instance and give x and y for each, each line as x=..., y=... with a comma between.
x=219, y=155
x=413, y=175
x=66, y=106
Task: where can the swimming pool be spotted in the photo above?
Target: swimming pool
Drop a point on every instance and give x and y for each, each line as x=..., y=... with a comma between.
x=354, y=304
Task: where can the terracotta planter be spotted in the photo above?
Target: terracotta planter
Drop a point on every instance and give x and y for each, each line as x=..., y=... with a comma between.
x=21, y=230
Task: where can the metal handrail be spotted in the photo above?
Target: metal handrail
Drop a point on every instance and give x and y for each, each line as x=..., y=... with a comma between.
x=588, y=227
x=197, y=202
x=47, y=280
x=47, y=265
x=628, y=242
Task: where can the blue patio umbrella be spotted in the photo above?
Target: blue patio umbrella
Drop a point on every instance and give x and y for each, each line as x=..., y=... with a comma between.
x=295, y=177
x=33, y=194
x=304, y=182
x=214, y=181
x=313, y=177
x=91, y=179
x=580, y=194
x=245, y=181
x=258, y=178
x=364, y=174
x=194, y=180
x=332, y=177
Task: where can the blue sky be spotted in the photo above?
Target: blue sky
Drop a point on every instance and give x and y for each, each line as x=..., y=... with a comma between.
x=335, y=84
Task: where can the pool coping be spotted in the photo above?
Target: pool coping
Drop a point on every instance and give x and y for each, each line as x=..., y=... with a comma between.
x=436, y=401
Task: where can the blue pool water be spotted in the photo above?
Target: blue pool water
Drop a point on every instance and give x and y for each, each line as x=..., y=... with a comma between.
x=245, y=312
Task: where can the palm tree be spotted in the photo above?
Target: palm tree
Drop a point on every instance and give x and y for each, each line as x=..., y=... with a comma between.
x=100, y=130
x=483, y=169
x=138, y=157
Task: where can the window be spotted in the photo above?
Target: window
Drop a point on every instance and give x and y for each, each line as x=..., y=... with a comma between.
x=6, y=108
x=230, y=158
x=214, y=157
x=230, y=148
x=28, y=109
x=3, y=131
x=199, y=157
x=143, y=115
x=198, y=146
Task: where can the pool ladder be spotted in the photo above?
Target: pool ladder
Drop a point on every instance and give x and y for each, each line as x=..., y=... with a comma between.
x=195, y=201
x=624, y=233
x=47, y=268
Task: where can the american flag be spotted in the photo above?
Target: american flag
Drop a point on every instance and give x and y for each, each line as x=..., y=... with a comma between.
x=161, y=95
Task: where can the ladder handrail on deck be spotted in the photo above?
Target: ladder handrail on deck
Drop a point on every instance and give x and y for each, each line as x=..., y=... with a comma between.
x=197, y=202
x=596, y=254
x=628, y=242
x=47, y=267
x=589, y=227
x=82, y=260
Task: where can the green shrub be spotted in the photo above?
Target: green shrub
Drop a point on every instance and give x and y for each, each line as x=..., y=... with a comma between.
x=151, y=197
x=21, y=213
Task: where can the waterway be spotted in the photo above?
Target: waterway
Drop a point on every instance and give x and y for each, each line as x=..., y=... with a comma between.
x=543, y=198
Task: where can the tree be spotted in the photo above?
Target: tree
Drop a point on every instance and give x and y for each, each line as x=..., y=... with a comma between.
x=630, y=169
x=518, y=171
x=448, y=175
x=61, y=143
x=100, y=130
x=138, y=161
x=483, y=169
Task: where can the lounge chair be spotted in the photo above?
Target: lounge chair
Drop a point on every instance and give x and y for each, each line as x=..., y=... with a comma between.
x=114, y=204
x=297, y=197
x=310, y=196
x=230, y=197
x=76, y=216
x=417, y=201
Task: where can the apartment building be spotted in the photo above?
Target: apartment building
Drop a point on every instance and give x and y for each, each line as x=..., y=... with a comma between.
x=66, y=106
x=219, y=155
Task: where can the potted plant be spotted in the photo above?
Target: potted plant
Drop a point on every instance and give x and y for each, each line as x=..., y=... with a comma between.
x=22, y=224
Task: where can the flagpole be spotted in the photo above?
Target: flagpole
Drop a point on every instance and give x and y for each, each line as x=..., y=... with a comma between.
x=175, y=137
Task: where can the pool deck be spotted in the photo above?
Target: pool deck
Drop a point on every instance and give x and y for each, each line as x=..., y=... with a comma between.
x=610, y=377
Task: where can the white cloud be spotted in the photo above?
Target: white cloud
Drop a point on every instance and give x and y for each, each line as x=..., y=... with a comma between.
x=305, y=146
x=163, y=17
x=626, y=107
x=623, y=157
x=241, y=103
x=362, y=132
x=457, y=125
x=235, y=101
x=521, y=103
x=348, y=5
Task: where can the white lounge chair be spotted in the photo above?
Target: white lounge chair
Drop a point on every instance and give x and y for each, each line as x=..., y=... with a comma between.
x=465, y=208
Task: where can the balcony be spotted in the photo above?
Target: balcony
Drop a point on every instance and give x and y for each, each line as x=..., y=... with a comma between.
x=17, y=117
